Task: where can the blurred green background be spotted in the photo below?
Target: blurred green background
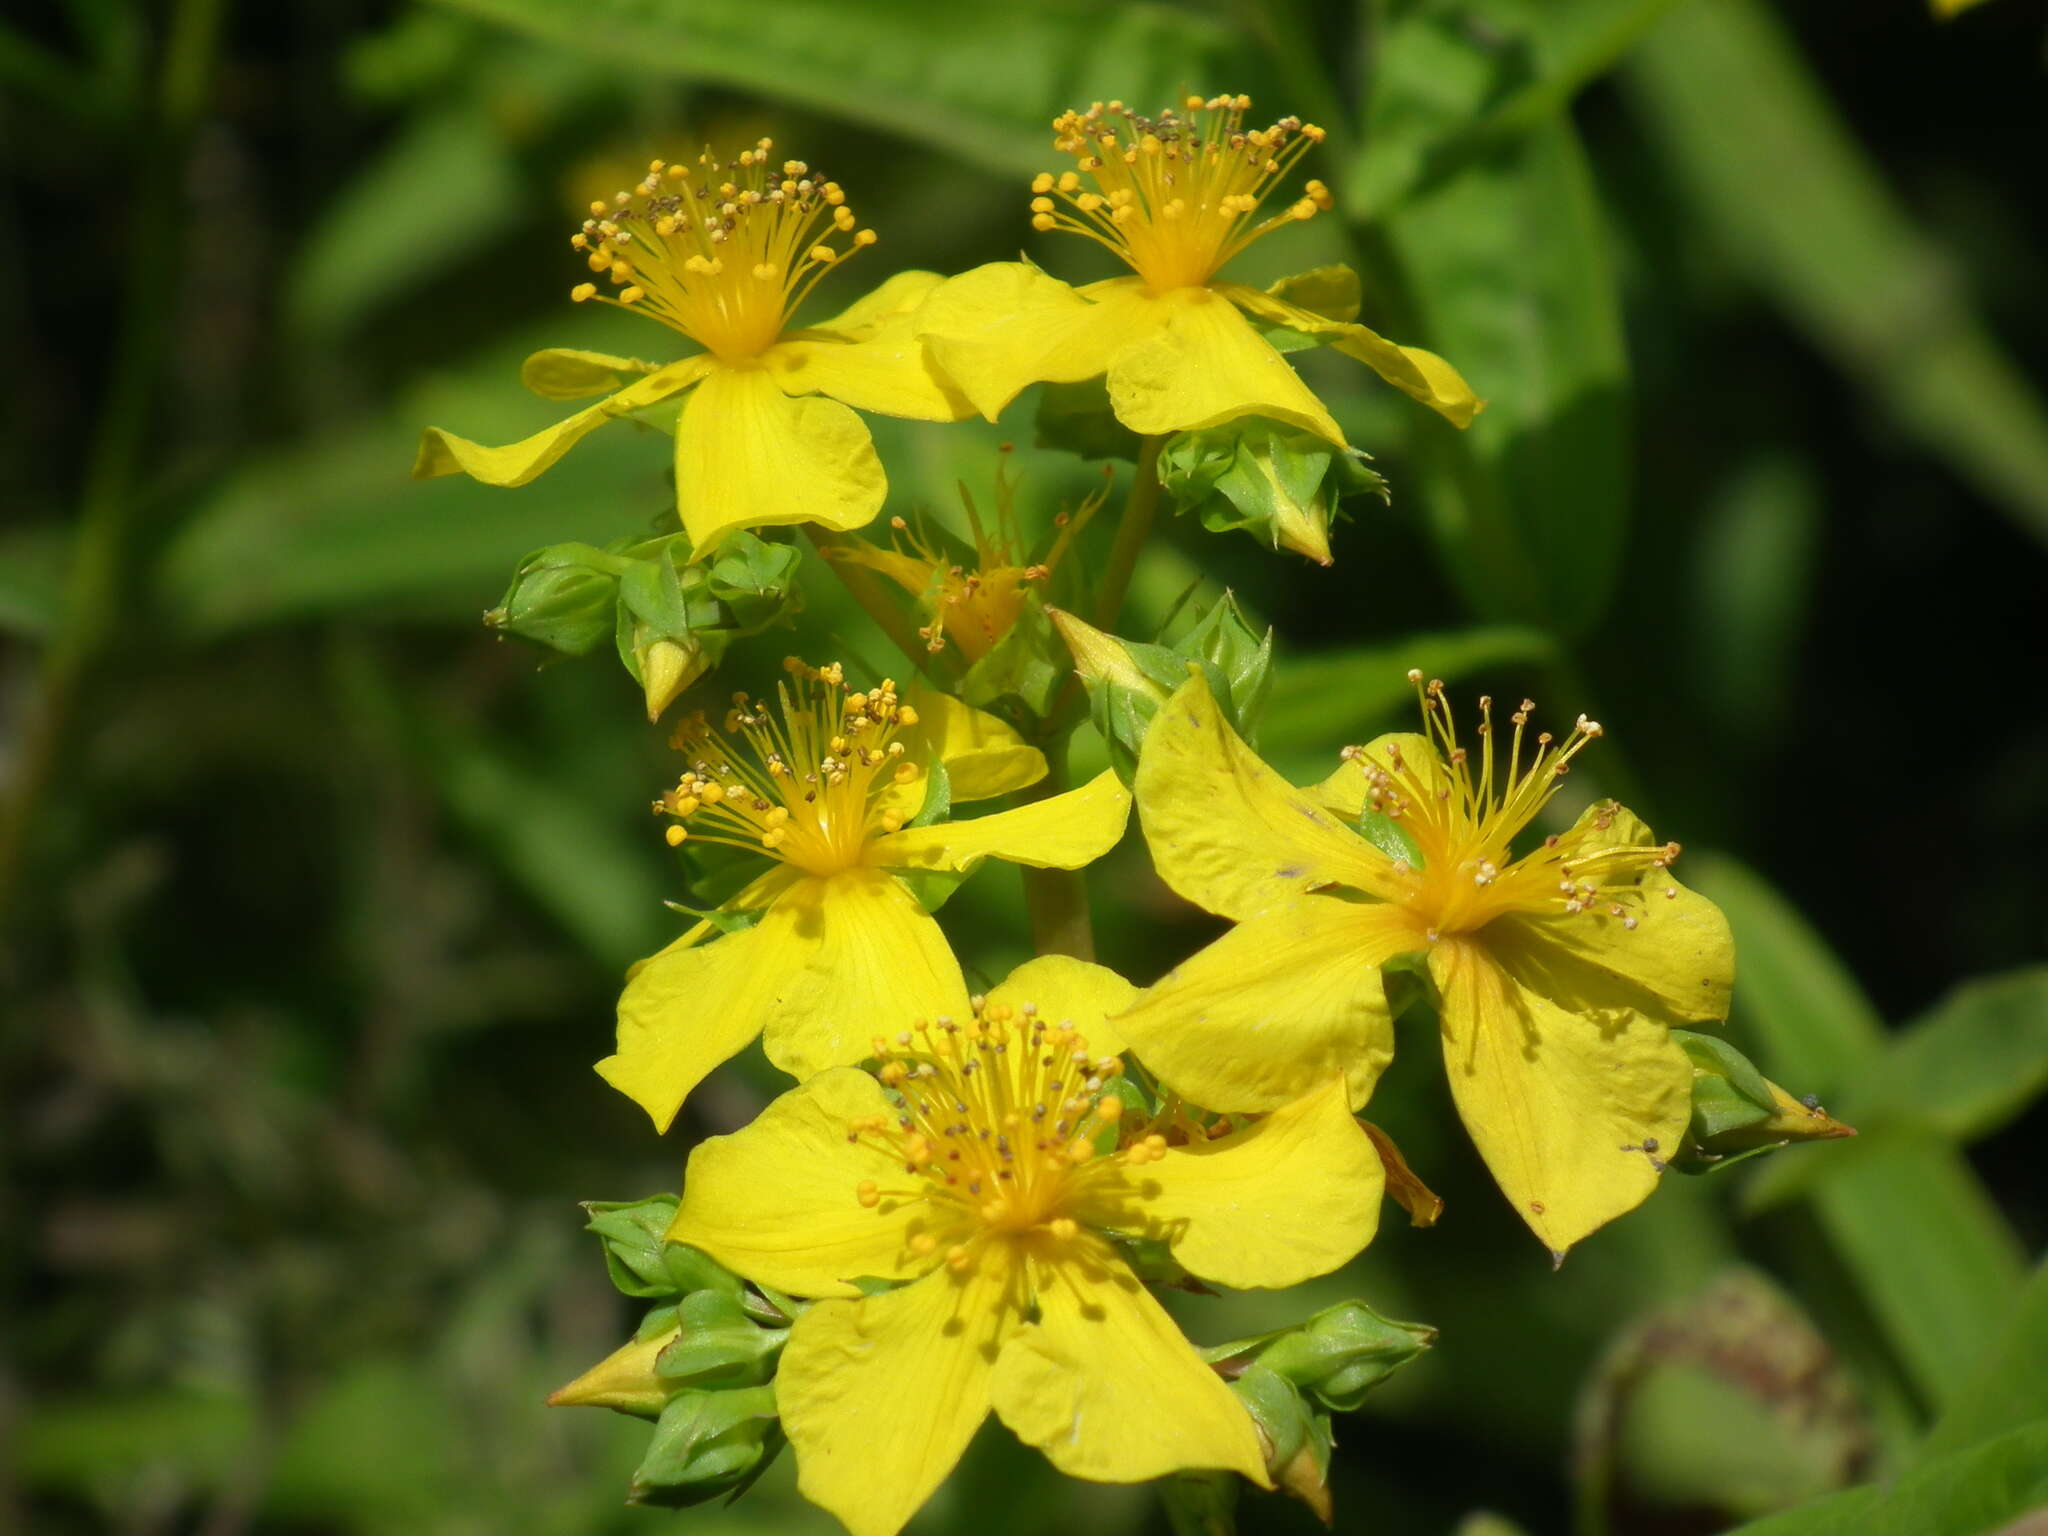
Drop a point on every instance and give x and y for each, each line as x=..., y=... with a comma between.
x=318, y=896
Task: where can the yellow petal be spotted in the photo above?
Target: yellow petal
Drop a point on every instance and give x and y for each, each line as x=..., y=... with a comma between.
x=867, y=960
x=1572, y=1111
x=749, y=456
x=443, y=453
x=1412, y=370
x=1229, y=833
x=907, y=571
x=880, y=1396
x=1069, y=991
x=1060, y=832
x=754, y=896
x=886, y=372
x=1677, y=963
x=1206, y=366
x=1344, y=790
x=1276, y=1007
x=695, y=1004
x=898, y=298
x=983, y=756
x=777, y=1201
x=1002, y=327
x=1106, y=1385
x=568, y=373
x=1291, y=1196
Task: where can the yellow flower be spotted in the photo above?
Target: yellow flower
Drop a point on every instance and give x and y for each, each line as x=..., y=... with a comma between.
x=825, y=788
x=971, y=607
x=988, y=1163
x=1175, y=198
x=1558, y=970
x=725, y=254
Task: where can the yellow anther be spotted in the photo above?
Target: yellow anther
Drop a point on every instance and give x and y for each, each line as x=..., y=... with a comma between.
x=675, y=835
x=868, y=1194
x=583, y=291
x=959, y=1257
x=906, y=716
x=924, y=1244
x=1109, y=1111
x=632, y=295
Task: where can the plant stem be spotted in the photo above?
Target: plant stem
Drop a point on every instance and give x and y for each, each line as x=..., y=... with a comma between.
x=1057, y=899
x=1140, y=508
x=94, y=587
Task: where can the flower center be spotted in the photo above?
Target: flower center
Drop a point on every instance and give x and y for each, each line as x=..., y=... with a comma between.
x=998, y=1123
x=800, y=782
x=1175, y=196
x=1463, y=816
x=724, y=252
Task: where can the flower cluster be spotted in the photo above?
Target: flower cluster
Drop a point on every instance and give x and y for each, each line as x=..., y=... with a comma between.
x=963, y=1204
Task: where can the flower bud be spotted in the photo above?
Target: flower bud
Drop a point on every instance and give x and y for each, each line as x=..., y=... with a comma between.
x=1343, y=1352
x=1737, y=1112
x=707, y=1444
x=1280, y=484
x=1128, y=681
x=641, y=1260
x=561, y=597
x=1296, y=1437
x=625, y=1380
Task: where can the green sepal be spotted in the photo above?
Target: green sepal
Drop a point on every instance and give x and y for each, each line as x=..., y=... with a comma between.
x=1297, y=1436
x=669, y=620
x=1337, y=1356
x=1737, y=1112
x=641, y=1260
x=1280, y=484
x=1028, y=665
x=1077, y=419
x=938, y=794
x=1390, y=837
x=1128, y=681
x=561, y=597
x=718, y=917
x=707, y=1444
x=720, y=1345
x=1332, y=292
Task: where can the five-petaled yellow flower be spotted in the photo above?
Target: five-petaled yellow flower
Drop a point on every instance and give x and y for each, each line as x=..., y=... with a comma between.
x=1558, y=970
x=1175, y=197
x=989, y=1164
x=826, y=791
x=724, y=254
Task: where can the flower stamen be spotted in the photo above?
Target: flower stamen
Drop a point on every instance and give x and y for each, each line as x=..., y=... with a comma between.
x=1176, y=196
x=724, y=252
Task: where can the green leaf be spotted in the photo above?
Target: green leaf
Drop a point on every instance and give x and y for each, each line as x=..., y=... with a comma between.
x=1977, y=1060
x=1969, y=1493
x=980, y=81
x=1510, y=279
x=1794, y=997
x=1532, y=57
x=1940, y=1297
x=442, y=189
x=2010, y=1385
x=1852, y=270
